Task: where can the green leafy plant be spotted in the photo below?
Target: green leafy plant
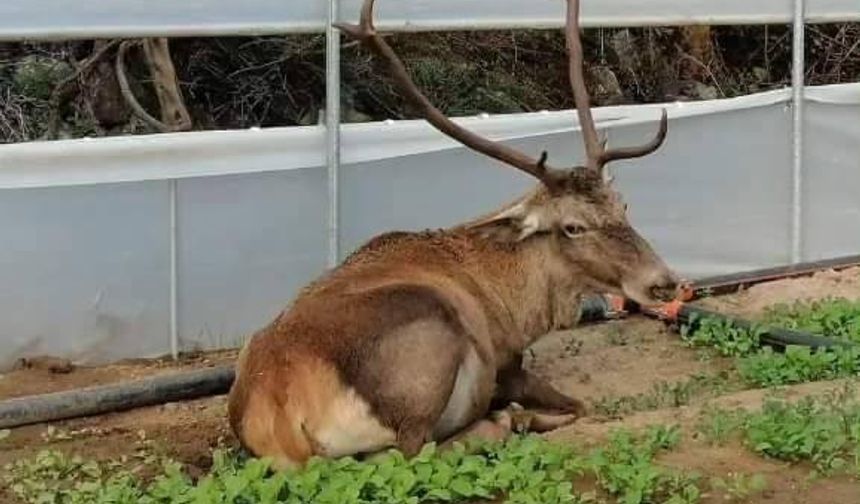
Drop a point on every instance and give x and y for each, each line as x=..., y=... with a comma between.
x=762, y=367
x=798, y=365
x=721, y=334
x=625, y=468
x=822, y=430
x=831, y=317
x=522, y=470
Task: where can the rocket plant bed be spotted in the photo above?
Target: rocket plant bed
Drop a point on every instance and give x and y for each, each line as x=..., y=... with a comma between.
x=524, y=469
x=836, y=318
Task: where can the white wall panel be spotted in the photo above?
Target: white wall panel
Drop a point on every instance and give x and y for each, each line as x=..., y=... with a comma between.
x=247, y=243
x=84, y=272
x=831, y=172
x=84, y=263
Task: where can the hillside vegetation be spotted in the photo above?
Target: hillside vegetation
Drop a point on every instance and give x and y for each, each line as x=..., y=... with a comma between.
x=55, y=91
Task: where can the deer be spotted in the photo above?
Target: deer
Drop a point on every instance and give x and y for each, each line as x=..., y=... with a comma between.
x=418, y=337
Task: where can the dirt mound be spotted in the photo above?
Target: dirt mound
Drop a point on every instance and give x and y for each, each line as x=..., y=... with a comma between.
x=754, y=300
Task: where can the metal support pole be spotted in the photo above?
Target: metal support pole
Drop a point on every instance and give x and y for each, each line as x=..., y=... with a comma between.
x=174, y=273
x=797, y=85
x=332, y=124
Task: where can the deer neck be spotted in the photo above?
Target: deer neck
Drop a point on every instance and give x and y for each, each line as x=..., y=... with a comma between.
x=549, y=296
x=533, y=290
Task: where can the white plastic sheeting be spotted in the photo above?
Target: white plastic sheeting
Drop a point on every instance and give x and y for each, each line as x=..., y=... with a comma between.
x=85, y=260
x=137, y=18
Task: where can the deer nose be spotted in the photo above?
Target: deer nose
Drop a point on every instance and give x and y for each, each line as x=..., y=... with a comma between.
x=667, y=289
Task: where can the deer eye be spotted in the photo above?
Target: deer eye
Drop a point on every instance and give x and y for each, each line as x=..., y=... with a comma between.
x=572, y=230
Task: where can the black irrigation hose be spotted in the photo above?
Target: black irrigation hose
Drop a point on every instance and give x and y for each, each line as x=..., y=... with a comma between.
x=600, y=308
x=117, y=397
x=775, y=337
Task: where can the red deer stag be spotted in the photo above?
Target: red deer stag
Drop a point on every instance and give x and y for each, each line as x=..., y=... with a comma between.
x=417, y=337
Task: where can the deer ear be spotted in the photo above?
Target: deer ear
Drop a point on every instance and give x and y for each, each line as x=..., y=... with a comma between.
x=514, y=224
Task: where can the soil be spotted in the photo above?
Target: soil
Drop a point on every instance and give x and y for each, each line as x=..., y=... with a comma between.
x=753, y=301
x=611, y=359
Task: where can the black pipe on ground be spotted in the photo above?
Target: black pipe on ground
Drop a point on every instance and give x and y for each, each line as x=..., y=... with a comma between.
x=601, y=308
x=117, y=397
x=775, y=337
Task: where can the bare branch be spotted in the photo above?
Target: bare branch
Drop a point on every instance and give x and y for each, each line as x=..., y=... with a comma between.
x=174, y=113
x=127, y=93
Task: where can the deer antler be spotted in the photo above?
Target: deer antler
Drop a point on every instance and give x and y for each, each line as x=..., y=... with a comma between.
x=596, y=152
x=366, y=34
x=595, y=149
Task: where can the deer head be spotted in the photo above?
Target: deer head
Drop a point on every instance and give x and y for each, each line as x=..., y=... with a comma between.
x=576, y=210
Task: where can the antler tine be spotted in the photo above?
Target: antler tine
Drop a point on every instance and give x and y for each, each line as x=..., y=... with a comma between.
x=366, y=34
x=595, y=149
x=642, y=150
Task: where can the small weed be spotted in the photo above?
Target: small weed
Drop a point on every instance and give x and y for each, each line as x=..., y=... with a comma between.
x=738, y=487
x=572, y=347
x=617, y=337
x=717, y=425
x=664, y=395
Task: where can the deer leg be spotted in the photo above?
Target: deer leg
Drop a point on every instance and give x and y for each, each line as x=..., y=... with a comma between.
x=516, y=385
x=501, y=424
x=497, y=427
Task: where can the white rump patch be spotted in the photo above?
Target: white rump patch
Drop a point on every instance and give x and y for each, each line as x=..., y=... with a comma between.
x=351, y=428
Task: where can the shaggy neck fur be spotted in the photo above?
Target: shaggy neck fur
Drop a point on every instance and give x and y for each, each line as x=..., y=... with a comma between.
x=533, y=283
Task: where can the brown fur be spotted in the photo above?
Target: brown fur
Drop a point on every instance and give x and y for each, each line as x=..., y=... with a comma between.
x=394, y=322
